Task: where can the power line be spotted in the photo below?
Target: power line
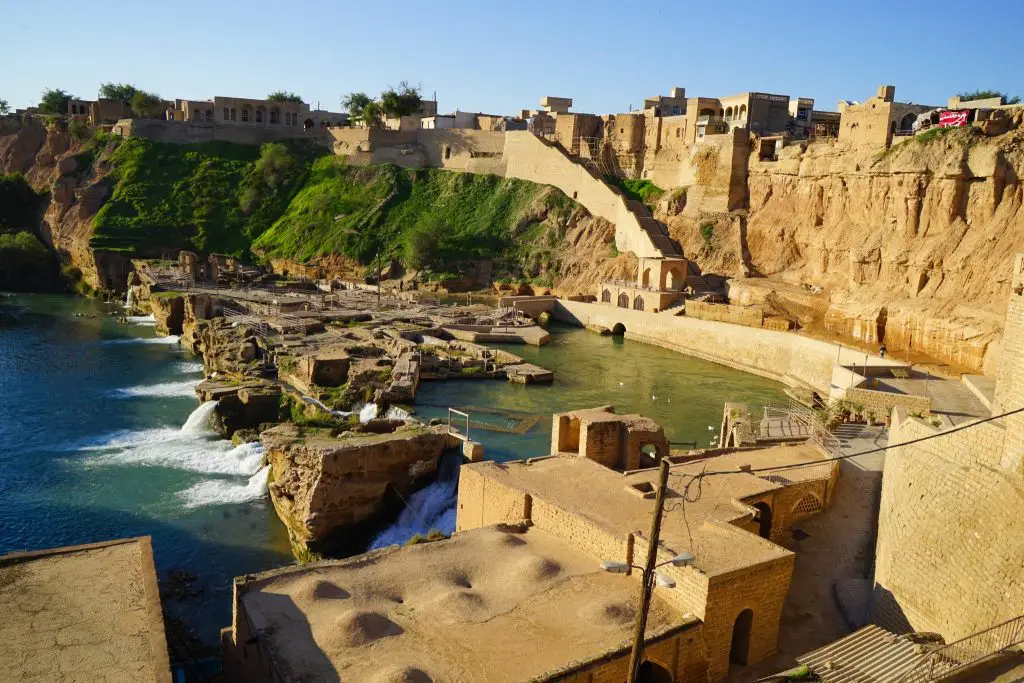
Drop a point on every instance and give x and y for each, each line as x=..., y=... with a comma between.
x=791, y=466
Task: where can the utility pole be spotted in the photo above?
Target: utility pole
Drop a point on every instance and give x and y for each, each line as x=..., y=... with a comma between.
x=647, y=580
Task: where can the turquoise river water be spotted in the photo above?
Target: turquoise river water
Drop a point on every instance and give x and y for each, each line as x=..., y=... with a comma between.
x=100, y=438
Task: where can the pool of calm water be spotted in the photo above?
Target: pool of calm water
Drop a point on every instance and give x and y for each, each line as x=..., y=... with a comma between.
x=96, y=440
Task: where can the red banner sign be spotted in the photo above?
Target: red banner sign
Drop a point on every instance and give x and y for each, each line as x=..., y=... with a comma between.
x=953, y=118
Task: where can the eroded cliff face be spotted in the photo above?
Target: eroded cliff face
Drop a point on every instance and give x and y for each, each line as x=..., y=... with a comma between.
x=912, y=247
x=50, y=160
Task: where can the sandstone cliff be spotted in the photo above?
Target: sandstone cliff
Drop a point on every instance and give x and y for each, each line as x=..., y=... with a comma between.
x=910, y=246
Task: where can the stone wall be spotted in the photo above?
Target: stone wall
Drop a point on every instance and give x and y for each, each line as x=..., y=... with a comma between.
x=782, y=356
x=1010, y=378
x=950, y=532
x=882, y=403
x=737, y=315
x=187, y=132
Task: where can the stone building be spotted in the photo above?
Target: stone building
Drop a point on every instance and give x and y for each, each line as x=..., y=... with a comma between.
x=99, y=112
x=673, y=104
x=950, y=533
x=525, y=560
x=237, y=111
x=873, y=123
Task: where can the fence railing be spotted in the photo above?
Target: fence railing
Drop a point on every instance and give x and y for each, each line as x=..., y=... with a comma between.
x=808, y=422
x=962, y=653
x=453, y=428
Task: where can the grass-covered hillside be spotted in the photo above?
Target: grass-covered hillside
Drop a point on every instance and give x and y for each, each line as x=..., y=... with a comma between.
x=211, y=197
x=297, y=202
x=426, y=218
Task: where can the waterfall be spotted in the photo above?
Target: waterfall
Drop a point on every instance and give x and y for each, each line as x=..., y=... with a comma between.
x=130, y=299
x=396, y=413
x=218, y=492
x=199, y=421
x=368, y=412
x=430, y=509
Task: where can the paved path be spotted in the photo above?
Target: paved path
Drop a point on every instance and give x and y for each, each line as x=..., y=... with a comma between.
x=834, y=547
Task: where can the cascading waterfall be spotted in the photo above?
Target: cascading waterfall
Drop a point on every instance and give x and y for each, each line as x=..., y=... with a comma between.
x=199, y=421
x=368, y=412
x=432, y=508
x=130, y=299
x=396, y=413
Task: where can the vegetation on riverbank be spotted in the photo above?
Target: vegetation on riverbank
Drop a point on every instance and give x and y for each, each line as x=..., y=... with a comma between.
x=26, y=265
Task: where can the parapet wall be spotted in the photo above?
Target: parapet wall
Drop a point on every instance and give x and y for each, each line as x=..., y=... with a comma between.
x=188, y=132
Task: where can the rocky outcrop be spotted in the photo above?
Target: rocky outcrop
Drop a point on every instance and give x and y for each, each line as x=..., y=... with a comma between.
x=168, y=313
x=910, y=246
x=245, y=405
x=322, y=485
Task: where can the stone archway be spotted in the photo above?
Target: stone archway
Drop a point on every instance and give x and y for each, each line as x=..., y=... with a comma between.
x=606, y=296
x=645, y=279
x=739, y=651
x=623, y=300
x=619, y=329
x=638, y=303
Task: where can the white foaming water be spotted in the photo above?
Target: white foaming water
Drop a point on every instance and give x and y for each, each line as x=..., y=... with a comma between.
x=171, y=339
x=177, y=449
x=432, y=507
x=199, y=421
x=190, y=366
x=218, y=492
x=396, y=413
x=368, y=412
x=184, y=388
x=143, y=320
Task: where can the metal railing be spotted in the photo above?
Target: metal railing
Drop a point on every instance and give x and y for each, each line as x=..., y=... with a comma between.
x=453, y=429
x=962, y=653
x=807, y=422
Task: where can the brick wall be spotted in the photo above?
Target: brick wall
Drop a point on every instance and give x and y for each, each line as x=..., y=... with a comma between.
x=950, y=532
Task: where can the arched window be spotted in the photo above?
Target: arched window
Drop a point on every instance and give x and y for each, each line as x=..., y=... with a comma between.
x=195, y=114
x=245, y=114
x=638, y=303
x=606, y=296
x=307, y=124
x=275, y=116
x=227, y=114
x=728, y=113
x=259, y=116
x=209, y=116
x=742, y=113
x=234, y=113
x=645, y=279
x=623, y=300
x=447, y=152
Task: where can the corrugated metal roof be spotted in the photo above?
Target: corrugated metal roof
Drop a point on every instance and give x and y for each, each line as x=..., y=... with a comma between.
x=870, y=655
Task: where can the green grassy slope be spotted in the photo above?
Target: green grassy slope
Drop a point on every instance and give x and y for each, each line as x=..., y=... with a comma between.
x=209, y=196
x=424, y=217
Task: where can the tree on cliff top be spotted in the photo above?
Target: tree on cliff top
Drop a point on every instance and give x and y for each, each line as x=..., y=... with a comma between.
x=118, y=91
x=146, y=104
x=5, y=108
x=55, y=101
x=282, y=96
x=354, y=102
x=985, y=94
x=404, y=101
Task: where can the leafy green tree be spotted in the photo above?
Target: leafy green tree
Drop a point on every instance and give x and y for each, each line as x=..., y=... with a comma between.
x=354, y=103
x=283, y=96
x=55, y=101
x=146, y=104
x=420, y=249
x=79, y=130
x=372, y=115
x=118, y=91
x=276, y=164
x=985, y=94
x=25, y=264
x=403, y=101
x=5, y=108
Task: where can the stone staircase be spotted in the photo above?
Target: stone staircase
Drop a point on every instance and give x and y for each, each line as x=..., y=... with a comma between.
x=655, y=232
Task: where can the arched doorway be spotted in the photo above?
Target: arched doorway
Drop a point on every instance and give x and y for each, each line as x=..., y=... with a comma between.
x=606, y=297
x=653, y=673
x=619, y=329
x=764, y=519
x=645, y=279
x=739, y=652
x=638, y=303
x=307, y=124
x=623, y=300
x=907, y=122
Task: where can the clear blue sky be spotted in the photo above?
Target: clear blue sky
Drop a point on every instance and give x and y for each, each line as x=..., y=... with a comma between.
x=500, y=57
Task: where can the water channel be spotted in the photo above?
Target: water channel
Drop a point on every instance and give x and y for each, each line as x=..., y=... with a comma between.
x=96, y=440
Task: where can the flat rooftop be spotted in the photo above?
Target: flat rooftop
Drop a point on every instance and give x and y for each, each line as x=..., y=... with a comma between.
x=89, y=612
x=584, y=487
x=447, y=610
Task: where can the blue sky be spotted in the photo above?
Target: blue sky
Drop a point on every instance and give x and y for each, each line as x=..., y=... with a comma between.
x=500, y=57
